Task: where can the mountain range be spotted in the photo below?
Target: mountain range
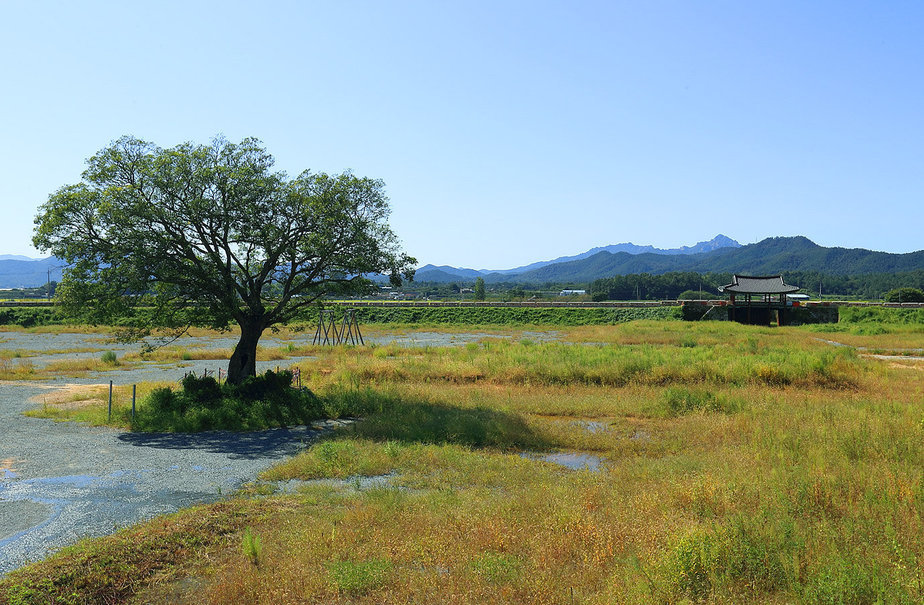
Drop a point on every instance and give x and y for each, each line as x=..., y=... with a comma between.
x=719, y=255
x=444, y=272
x=23, y=272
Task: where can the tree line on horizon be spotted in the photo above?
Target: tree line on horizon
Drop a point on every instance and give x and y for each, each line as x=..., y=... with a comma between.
x=668, y=286
x=685, y=284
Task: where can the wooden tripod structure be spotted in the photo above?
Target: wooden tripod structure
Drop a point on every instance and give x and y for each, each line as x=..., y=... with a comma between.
x=328, y=333
x=349, y=329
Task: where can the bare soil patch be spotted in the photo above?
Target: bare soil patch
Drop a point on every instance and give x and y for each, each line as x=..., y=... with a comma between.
x=71, y=396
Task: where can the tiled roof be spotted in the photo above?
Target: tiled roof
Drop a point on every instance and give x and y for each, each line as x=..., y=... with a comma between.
x=768, y=284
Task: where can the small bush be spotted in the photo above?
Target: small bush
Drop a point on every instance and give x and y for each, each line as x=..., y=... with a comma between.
x=109, y=357
x=202, y=405
x=203, y=391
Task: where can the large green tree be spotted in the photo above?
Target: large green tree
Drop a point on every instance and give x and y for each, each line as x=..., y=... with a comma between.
x=211, y=234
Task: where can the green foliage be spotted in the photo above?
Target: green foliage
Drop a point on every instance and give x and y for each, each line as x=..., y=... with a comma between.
x=340, y=401
x=479, y=288
x=856, y=283
x=689, y=566
x=698, y=295
x=30, y=317
x=201, y=405
x=903, y=295
x=110, y=358
x=667, y=286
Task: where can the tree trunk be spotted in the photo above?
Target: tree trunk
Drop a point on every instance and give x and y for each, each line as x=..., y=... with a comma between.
x=243, y=361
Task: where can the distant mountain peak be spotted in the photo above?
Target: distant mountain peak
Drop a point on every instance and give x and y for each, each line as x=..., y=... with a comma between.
x=719, y=241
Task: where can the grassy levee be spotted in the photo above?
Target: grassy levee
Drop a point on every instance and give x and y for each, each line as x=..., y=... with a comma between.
x=739, y=464
x=502, y=316
x=25, y=317
x=885, y=330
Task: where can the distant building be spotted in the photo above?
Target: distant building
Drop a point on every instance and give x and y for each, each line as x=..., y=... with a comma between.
x=572, y=292
x=764, y=298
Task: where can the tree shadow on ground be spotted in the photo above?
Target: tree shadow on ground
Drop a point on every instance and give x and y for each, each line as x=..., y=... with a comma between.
x=397, y=419
x=270, y=443
x=383, y=417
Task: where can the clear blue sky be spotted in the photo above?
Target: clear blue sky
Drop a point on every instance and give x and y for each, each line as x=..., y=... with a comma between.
x=506, y=132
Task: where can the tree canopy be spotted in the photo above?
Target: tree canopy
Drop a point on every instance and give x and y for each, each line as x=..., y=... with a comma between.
x=479, y=288
x=900, y=295
x=211, y=234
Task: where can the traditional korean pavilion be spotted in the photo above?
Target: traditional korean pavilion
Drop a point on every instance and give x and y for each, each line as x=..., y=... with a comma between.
x=757, y=300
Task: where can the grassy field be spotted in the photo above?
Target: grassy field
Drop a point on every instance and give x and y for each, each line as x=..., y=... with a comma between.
x=737, y=465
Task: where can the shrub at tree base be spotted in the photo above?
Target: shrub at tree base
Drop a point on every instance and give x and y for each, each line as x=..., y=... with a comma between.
x=258, y=402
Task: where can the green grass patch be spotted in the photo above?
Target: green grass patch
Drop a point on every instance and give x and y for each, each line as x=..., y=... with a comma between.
x=358, y=577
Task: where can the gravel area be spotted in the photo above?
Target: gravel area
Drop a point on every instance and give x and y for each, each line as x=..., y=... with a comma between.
x=62, y=481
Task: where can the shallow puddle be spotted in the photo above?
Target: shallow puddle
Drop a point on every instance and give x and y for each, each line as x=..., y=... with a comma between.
x=357, y=482
x=592, y=426
x=22, y=515
x=571, y=460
